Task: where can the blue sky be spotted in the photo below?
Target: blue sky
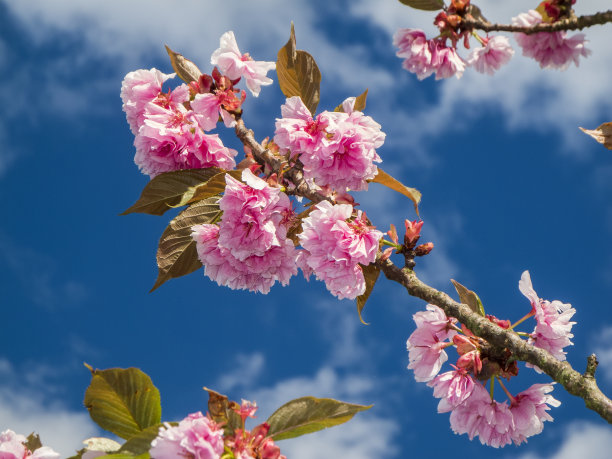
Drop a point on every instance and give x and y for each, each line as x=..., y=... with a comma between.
x=509, y=183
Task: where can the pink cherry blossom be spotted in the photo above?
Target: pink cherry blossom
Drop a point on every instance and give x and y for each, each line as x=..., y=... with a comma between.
x=433, y=321
x=452, y=388
x=490, y=57
x=553, y=328
x=335, y=246
x=530, y=410
x=12, y=446
x=253, y=213
x=479, y=416
x=550, y=49
x=445, y=60
x=337, y=149
x=195, y=436
x=415, y=49
x=208, y=107
x=137, y=90
x=236, y=65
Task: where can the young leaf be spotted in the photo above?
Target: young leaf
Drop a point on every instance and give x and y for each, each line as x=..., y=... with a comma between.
x=213, y=187
x=168, y=190
x=221, y=409
x=176, y=254
x=370, y=274
x=427, y=5
x=296, y=226
x=360, y=103
x=33, y=442
x=309, y=414
x=184, y=68
x=141, y=443
x=470, y=298
x=412, y=193
x=298, y=74
x=123, y=401
x=603, y=134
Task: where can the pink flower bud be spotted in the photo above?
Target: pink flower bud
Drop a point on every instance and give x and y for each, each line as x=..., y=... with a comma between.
x=413, y=232
x=470, y=361
x=464, y=344
x=423, y=249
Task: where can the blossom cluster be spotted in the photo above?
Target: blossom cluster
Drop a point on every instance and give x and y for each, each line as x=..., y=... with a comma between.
x=461, y=391
x=337, y=149
x=200, y=437
x=425, y=57
x=171, y=128
x=13, y=446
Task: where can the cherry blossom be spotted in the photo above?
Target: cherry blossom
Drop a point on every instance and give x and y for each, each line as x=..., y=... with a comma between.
x=415, y=49
x=550, y=49
x=12, y=446
x=236, y=65
x=530, y=411
x=452, y=388
x=445, y=60
x=195, y=436
x=490, y=57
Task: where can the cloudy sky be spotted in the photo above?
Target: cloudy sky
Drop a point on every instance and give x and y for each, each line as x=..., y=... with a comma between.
x=509, y=183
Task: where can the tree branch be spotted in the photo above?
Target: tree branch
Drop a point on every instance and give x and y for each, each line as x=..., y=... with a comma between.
x=573, y=23
x=583, y=386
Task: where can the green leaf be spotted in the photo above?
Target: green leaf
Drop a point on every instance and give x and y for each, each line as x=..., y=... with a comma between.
x=176, y=253
x=412, y=193
x=33, y=442
x=298, y=74
x=360, y=103
x=427, y=5
x=141, y=443
x=168, y=190
x=123, y=401
x=184, y=68
x=470, y=298
x=309, y=414
x=213, y=187
x=370, y=274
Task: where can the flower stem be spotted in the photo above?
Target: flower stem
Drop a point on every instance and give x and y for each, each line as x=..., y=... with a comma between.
x=531, y=314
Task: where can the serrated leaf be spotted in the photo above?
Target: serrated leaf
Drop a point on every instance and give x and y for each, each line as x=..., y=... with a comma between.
x=360, y=103
x=33, y=442
x=167, y=190
x=222, y=411
x=212, y=187
x=427, y=5
x=370, y=274
x=412, y=193
x=141, y=443
x=603, y=134
x=123, y=401
x=298, y=74
x=176, y=253
x=470, y=298
x=184, y=68
x=309, y=414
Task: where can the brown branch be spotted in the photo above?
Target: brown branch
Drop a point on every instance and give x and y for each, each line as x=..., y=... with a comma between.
x=265, y=157
x=580, y=385
x=583, y=386
x=572, y=23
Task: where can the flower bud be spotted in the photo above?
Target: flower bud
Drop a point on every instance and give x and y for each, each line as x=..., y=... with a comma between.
x=423, y=249
x=413, y=233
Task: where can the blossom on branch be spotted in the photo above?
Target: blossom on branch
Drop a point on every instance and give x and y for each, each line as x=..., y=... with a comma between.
x=236, y=65
x=550, y=49
x=12, y=446
x=335, y=246
x=488, y=58
x=195, y=436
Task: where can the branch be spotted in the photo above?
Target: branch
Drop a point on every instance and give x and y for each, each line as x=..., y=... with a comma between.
x=572, y=23
x=580, y=385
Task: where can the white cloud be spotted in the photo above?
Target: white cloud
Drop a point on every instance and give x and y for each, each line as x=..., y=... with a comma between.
x=26, y=406
x=581, y=440
x=246, y=369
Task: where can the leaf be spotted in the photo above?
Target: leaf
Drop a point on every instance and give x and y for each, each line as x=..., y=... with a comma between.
x=222, y=410
x=360, y=103
x=309, y=414
x=123, y=401
x=213, y=187
x=184, y=68
x=176, y=253
x=603, y=134
x=477, y=14
x=298, y=74
x=296, y=226
x=412, y=193
x=470, y=298
x=33, y=442
x=141, y=443
x=427, y=5
x=370, y=274
x=168, y=190
x=102, y=444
